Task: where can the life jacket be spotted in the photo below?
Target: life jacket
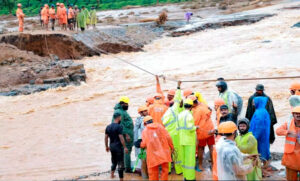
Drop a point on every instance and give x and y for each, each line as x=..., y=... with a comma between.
x=291, y=138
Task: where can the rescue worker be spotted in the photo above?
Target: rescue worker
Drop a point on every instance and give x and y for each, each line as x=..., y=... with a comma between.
x=58, y=13
x=76, y=12
x=170, y=95
x=157, y=141
x=158, y=108
x=247, y=144
x=45, y=16
x=71, y=17
x=87, y=16
x=138, y=129
x=40, y=15
x=52, y=16
x=294, y=87
x=117, y=146
x=218, y=103
x=170, y=119
x=229, y=158
x=187, y=140
x=81, y=20
x=226, y=116
x=188, y=16
x=260, y=128
x=63, y=17
x=93, y=17
x=205, y=133
x=291, y=157
x=20, y=16
x=127, y=125
x=251, y=109
x=231, y=98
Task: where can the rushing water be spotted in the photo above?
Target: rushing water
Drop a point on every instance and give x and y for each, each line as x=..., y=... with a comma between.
x=59, y=133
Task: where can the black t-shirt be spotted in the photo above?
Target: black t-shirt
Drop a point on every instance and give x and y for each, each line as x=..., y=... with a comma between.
x=113, y=131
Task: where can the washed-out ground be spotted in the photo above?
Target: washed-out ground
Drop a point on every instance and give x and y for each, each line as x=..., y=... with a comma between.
x=59, y=133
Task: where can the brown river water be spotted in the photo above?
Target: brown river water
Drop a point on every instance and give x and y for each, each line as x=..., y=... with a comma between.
x=59, y=133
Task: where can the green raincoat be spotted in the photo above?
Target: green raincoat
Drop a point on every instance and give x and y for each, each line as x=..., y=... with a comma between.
x=87, y=16
x=93, y=17
x=247, y=144
x=81, y=20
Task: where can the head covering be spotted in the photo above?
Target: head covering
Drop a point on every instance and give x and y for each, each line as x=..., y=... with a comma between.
x=187, y=92
x=295, y=86
x=192, y=97
x=260, y=87
x=19, y=5
x=124, y=99
x=222, y=85
x=224, y=106
x=294, y=101
x=116, y=114
x=219, y=102
x=171, y=92
x=245, y=121
x=142, y=108
x=227, y=127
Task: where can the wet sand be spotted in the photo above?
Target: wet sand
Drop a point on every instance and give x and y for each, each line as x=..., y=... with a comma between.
x=59, y=133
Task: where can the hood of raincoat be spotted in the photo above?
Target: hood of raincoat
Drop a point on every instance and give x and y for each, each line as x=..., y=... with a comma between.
x=118, y=106
x=260, y=102
x=245, y=121
x=294, y=101
x=223, y=86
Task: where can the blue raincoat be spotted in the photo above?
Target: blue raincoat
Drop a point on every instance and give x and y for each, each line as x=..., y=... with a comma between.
x=260, y=127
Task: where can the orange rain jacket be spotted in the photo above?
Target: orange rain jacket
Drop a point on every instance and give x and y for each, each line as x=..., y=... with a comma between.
x=52, y=13
x=158, y=142
x=20, y=16
x=291, y=156
x=202, y=119
x=45, y=15
x=157, y=110
x=62, y=15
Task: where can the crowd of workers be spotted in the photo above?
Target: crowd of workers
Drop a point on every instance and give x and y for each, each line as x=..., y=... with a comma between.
x=66, y=18
x=172, y=132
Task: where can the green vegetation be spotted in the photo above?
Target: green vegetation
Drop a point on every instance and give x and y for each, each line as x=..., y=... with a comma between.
x=32, y=7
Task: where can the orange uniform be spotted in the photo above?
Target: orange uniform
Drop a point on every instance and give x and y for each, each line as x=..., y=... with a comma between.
x=157, y=110
x=158, y=143
x=215, y=168
x=291, y=156
x=45, y=15
x=20, y=16
x=71, y=13
x=62, y=15
x=202, y=119
x=52, y=13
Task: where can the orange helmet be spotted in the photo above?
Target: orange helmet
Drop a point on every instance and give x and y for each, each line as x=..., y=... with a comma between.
x=150, y=100
x=158, y=95
x=142, y=108
x=192, y=97
x=147, y=118
x=57, y=4
x=295, y=86
x=219, y=102
x=19, y=5
x=171, y=92
x=227, y=127
x=296, y=109
x=187, y=92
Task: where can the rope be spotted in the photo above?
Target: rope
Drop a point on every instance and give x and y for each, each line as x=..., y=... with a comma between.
x=203, y=80
x=47, y=47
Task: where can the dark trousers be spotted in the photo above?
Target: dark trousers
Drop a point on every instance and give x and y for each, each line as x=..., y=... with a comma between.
x=117, y=159
x=52, y=23
x=82, y=29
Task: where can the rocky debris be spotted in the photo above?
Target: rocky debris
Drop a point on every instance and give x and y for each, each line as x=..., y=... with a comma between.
x=219, y=22
x=23, y=72
x=61, y=45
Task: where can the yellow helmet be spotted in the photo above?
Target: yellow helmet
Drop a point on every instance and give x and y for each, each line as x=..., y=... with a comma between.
x=124, y=99
x=227, y=127
x=296, y=109
x=188, y=102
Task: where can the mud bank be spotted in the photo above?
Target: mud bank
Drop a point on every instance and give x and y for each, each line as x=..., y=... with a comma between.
x=23, y=72
x=219, y=22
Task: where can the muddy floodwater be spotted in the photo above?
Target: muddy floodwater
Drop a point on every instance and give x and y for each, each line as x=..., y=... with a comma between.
x=59, y=133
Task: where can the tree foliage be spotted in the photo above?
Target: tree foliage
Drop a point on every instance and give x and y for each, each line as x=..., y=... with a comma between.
x=32, y=7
